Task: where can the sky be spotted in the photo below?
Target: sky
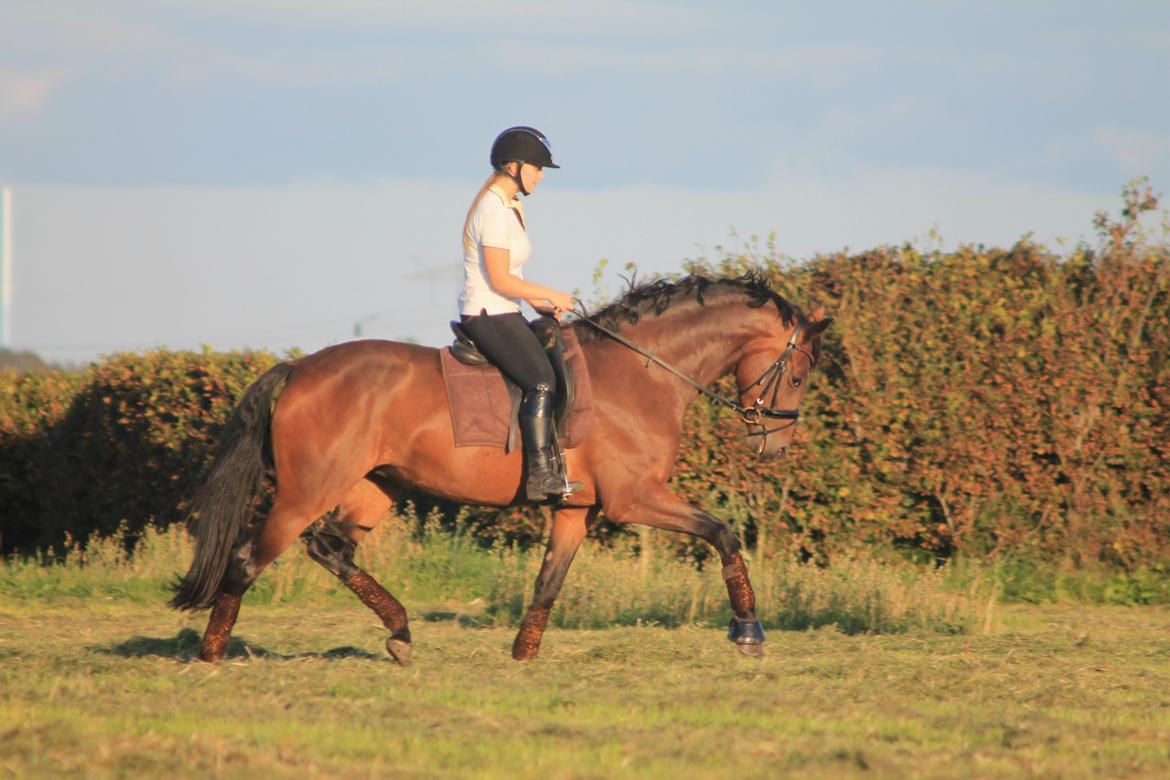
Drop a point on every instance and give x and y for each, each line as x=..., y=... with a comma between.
x=287, y=173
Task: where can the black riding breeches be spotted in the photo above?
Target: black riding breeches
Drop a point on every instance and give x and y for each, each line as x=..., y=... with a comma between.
x=509, y=343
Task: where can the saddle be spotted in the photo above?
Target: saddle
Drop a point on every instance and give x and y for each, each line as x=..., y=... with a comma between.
x=485, y=404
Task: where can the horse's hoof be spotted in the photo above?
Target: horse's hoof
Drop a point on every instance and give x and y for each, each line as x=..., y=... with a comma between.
x=745, y=632
x=212, y=654
x=751, y=650
x=399, y=650
x=748, y=636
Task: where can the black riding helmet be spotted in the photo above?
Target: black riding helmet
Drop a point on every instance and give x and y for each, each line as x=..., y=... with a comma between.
x=522, y=144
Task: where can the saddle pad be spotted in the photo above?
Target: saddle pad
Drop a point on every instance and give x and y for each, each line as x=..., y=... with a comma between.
x=481, y=406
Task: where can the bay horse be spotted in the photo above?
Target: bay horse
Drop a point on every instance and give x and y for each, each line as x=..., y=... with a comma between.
x=345, y=430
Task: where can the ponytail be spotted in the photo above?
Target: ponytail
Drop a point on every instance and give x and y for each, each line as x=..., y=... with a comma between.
x=467, y=244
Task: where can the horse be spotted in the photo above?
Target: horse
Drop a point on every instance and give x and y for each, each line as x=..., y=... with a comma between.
x=343, y=432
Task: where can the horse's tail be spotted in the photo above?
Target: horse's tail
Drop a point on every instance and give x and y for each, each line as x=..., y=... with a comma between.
x=221, y=508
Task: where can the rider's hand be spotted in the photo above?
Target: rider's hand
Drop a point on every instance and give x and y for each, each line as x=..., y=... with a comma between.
x=561, y=301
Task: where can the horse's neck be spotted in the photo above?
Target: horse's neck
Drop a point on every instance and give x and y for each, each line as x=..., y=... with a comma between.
x=700, y=341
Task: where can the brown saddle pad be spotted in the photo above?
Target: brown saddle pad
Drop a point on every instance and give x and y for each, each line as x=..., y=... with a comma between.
x=482, y=409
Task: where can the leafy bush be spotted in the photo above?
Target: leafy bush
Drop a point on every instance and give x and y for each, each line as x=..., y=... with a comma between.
x=123, y=443
x=979, y=402
x=1007, y=403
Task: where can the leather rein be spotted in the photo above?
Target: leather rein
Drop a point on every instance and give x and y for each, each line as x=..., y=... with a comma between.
x=769, y=381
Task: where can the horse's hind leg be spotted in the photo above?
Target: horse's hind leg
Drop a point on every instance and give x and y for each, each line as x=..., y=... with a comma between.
x=226, y=609
x=283, y=525
x=333, y=544
x=219, y=627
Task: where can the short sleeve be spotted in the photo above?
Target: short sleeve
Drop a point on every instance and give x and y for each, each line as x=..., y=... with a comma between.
x=496, y=224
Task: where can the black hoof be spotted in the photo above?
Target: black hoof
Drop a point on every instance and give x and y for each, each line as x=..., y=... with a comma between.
x=753, y=651
x=748, y=636
x=399, y=650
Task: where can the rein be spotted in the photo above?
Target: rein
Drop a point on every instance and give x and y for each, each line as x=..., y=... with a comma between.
x=752, y=415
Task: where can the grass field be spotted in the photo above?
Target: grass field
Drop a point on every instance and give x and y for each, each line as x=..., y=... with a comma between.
x=883, y=671
x=102, y=688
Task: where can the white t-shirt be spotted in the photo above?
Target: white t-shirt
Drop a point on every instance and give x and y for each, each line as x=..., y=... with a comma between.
x=493, y=223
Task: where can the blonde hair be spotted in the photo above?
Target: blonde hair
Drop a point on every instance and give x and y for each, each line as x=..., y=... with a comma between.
x=487, y=185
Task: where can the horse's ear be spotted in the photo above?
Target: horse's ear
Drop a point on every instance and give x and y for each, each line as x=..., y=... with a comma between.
x=819, y=321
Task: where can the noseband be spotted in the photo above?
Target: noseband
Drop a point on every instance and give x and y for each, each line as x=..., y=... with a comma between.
x=769, y=382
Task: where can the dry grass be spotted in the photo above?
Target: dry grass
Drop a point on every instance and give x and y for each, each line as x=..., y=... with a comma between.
x=884, y=671
x=104, y=687
x=605, y=587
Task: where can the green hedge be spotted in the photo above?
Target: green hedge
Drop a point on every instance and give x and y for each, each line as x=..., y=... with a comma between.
x=123, y=442
x=980, y=402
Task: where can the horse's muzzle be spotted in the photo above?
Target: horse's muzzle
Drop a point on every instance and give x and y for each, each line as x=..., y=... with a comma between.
x=768, y=457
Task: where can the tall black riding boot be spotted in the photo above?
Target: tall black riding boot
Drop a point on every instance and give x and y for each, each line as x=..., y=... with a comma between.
x=536, y=422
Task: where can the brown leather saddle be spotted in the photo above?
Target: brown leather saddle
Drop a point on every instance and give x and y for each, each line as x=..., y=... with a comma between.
x=476, y=393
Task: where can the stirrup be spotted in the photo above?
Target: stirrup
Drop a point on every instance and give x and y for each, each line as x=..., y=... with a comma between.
x=549, y=485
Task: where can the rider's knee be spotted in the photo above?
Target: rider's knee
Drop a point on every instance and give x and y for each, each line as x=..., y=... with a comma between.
x=541, y=392
x=545, y=329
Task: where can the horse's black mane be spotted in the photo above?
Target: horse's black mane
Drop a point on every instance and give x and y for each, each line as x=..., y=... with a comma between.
x=655, y=297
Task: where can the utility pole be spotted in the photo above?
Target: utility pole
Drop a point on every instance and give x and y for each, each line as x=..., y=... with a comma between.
x=357, y=325
x=5, y=267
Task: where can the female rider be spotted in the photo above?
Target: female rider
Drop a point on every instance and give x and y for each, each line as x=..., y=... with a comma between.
x=495, y=248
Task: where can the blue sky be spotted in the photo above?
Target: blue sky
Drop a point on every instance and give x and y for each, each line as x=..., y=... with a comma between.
x=263, y=173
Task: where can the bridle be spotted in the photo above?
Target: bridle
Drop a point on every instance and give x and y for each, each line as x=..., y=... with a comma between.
x=769, y=382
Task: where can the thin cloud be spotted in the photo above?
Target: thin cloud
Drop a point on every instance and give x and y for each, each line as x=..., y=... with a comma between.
x=24, y=95
x=691, y=59
x=58, y=37
x=1134, y=151
x=454, y=17
x=372, y=232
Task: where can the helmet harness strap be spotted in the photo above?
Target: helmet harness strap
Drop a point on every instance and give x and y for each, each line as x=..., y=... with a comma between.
x=516, y=177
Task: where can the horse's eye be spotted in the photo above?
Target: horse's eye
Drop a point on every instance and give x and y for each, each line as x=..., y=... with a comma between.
x=796, y=380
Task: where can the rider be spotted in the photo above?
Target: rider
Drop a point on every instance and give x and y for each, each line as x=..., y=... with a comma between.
x=495, y=248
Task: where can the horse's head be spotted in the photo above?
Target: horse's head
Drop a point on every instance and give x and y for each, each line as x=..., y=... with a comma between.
x=771, y=377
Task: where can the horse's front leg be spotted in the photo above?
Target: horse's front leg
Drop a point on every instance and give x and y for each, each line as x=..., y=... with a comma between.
x=568, y=529
x=657, y=507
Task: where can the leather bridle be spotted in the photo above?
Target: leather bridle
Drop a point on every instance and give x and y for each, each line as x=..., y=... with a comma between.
x=768, y=382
